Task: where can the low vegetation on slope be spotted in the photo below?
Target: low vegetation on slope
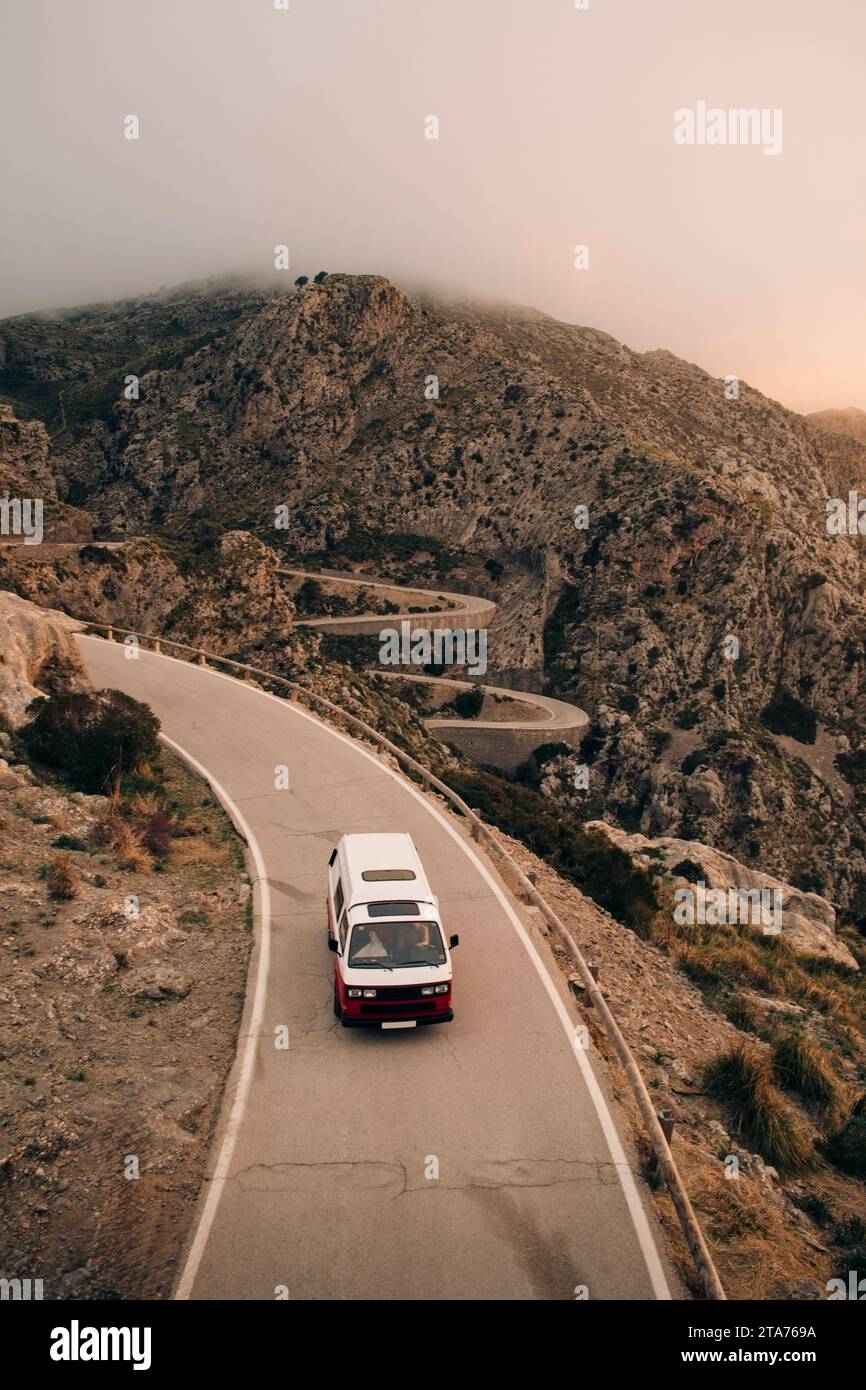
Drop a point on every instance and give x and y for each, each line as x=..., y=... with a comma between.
x=741, y=1106
x=585, y=858
x=95, y=739
x=123, y=951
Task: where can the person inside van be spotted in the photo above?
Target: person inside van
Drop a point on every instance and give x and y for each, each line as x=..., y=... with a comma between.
x=412, y=936
x=367, y=945
x=420, y=944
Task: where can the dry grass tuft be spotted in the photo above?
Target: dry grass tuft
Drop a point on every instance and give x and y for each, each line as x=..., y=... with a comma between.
x=61, y=878
x=741, y=1080
x=117, y=835
x=799, y=1066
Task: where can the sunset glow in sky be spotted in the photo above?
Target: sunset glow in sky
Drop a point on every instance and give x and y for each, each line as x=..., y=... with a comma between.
x=306, y=126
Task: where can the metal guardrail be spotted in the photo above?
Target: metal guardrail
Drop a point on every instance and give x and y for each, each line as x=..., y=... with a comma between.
x=589, y=987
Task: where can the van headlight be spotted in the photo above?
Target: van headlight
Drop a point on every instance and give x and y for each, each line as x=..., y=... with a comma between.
x=354, y=993
x=369, y=994
x=442, y=989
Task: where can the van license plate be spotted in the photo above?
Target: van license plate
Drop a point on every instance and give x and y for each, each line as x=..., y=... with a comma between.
x=407, y=1023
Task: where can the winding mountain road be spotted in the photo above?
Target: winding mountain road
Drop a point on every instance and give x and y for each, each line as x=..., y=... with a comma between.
x=553, y=715
x=477, y=1160
x=465, y=611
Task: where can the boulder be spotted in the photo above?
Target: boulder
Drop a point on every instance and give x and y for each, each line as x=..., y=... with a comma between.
x=808, y=920
x=38, y=656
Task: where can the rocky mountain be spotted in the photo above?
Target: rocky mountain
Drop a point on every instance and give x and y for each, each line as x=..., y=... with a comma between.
x=851, y=422
x=225, y=595
x=24, y=467
x=698, y=608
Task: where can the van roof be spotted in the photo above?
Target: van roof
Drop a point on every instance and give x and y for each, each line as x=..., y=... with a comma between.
x=381, y=868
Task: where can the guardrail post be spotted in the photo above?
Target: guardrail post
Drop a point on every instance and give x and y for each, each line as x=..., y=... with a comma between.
x=201, y=659
x=293, y=697
x=666, y=1120
x=157, y=645
x=526, y=892
x=593, y=970
x=109, y=634
x=580, y=990
x=475, y=827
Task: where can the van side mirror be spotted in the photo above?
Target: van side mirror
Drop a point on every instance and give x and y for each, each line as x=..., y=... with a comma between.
x=455, y=941
x=333, y=944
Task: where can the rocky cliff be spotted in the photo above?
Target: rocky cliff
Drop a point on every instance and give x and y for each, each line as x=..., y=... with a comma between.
x=38, y=656
x=24, y=467
x=225, y=595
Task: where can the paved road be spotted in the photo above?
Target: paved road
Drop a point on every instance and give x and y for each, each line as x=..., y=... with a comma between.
x=325, y=1154
x=466, y=611
x=552, y=714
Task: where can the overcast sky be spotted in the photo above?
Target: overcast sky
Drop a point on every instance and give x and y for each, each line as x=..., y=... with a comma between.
x=261, y=126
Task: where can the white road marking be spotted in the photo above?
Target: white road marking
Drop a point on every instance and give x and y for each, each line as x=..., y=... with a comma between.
x=232, y=1130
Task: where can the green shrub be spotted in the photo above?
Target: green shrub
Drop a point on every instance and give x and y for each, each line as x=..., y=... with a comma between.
x=846, y=1148
x=586, y=858
x=467, y=704
x=660, y=739
x=689, y=870
x=850, y=1237
x=591, y=745
x=558, y=628
x=690, y=716
x=815, y=1208
x=692, y=761
x=68, y=842
x=850, y=1232
x=741, y=1015
x=852, y=766
x=785, y=714
x=529, y=772
x=93, y=738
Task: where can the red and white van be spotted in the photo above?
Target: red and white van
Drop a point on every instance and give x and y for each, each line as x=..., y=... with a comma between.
x=393, y=964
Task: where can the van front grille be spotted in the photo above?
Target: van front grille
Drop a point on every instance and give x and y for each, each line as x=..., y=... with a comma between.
x=401, y=992
x=419, y=1006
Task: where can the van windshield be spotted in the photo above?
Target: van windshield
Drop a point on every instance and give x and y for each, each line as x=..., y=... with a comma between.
x=392, y=945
